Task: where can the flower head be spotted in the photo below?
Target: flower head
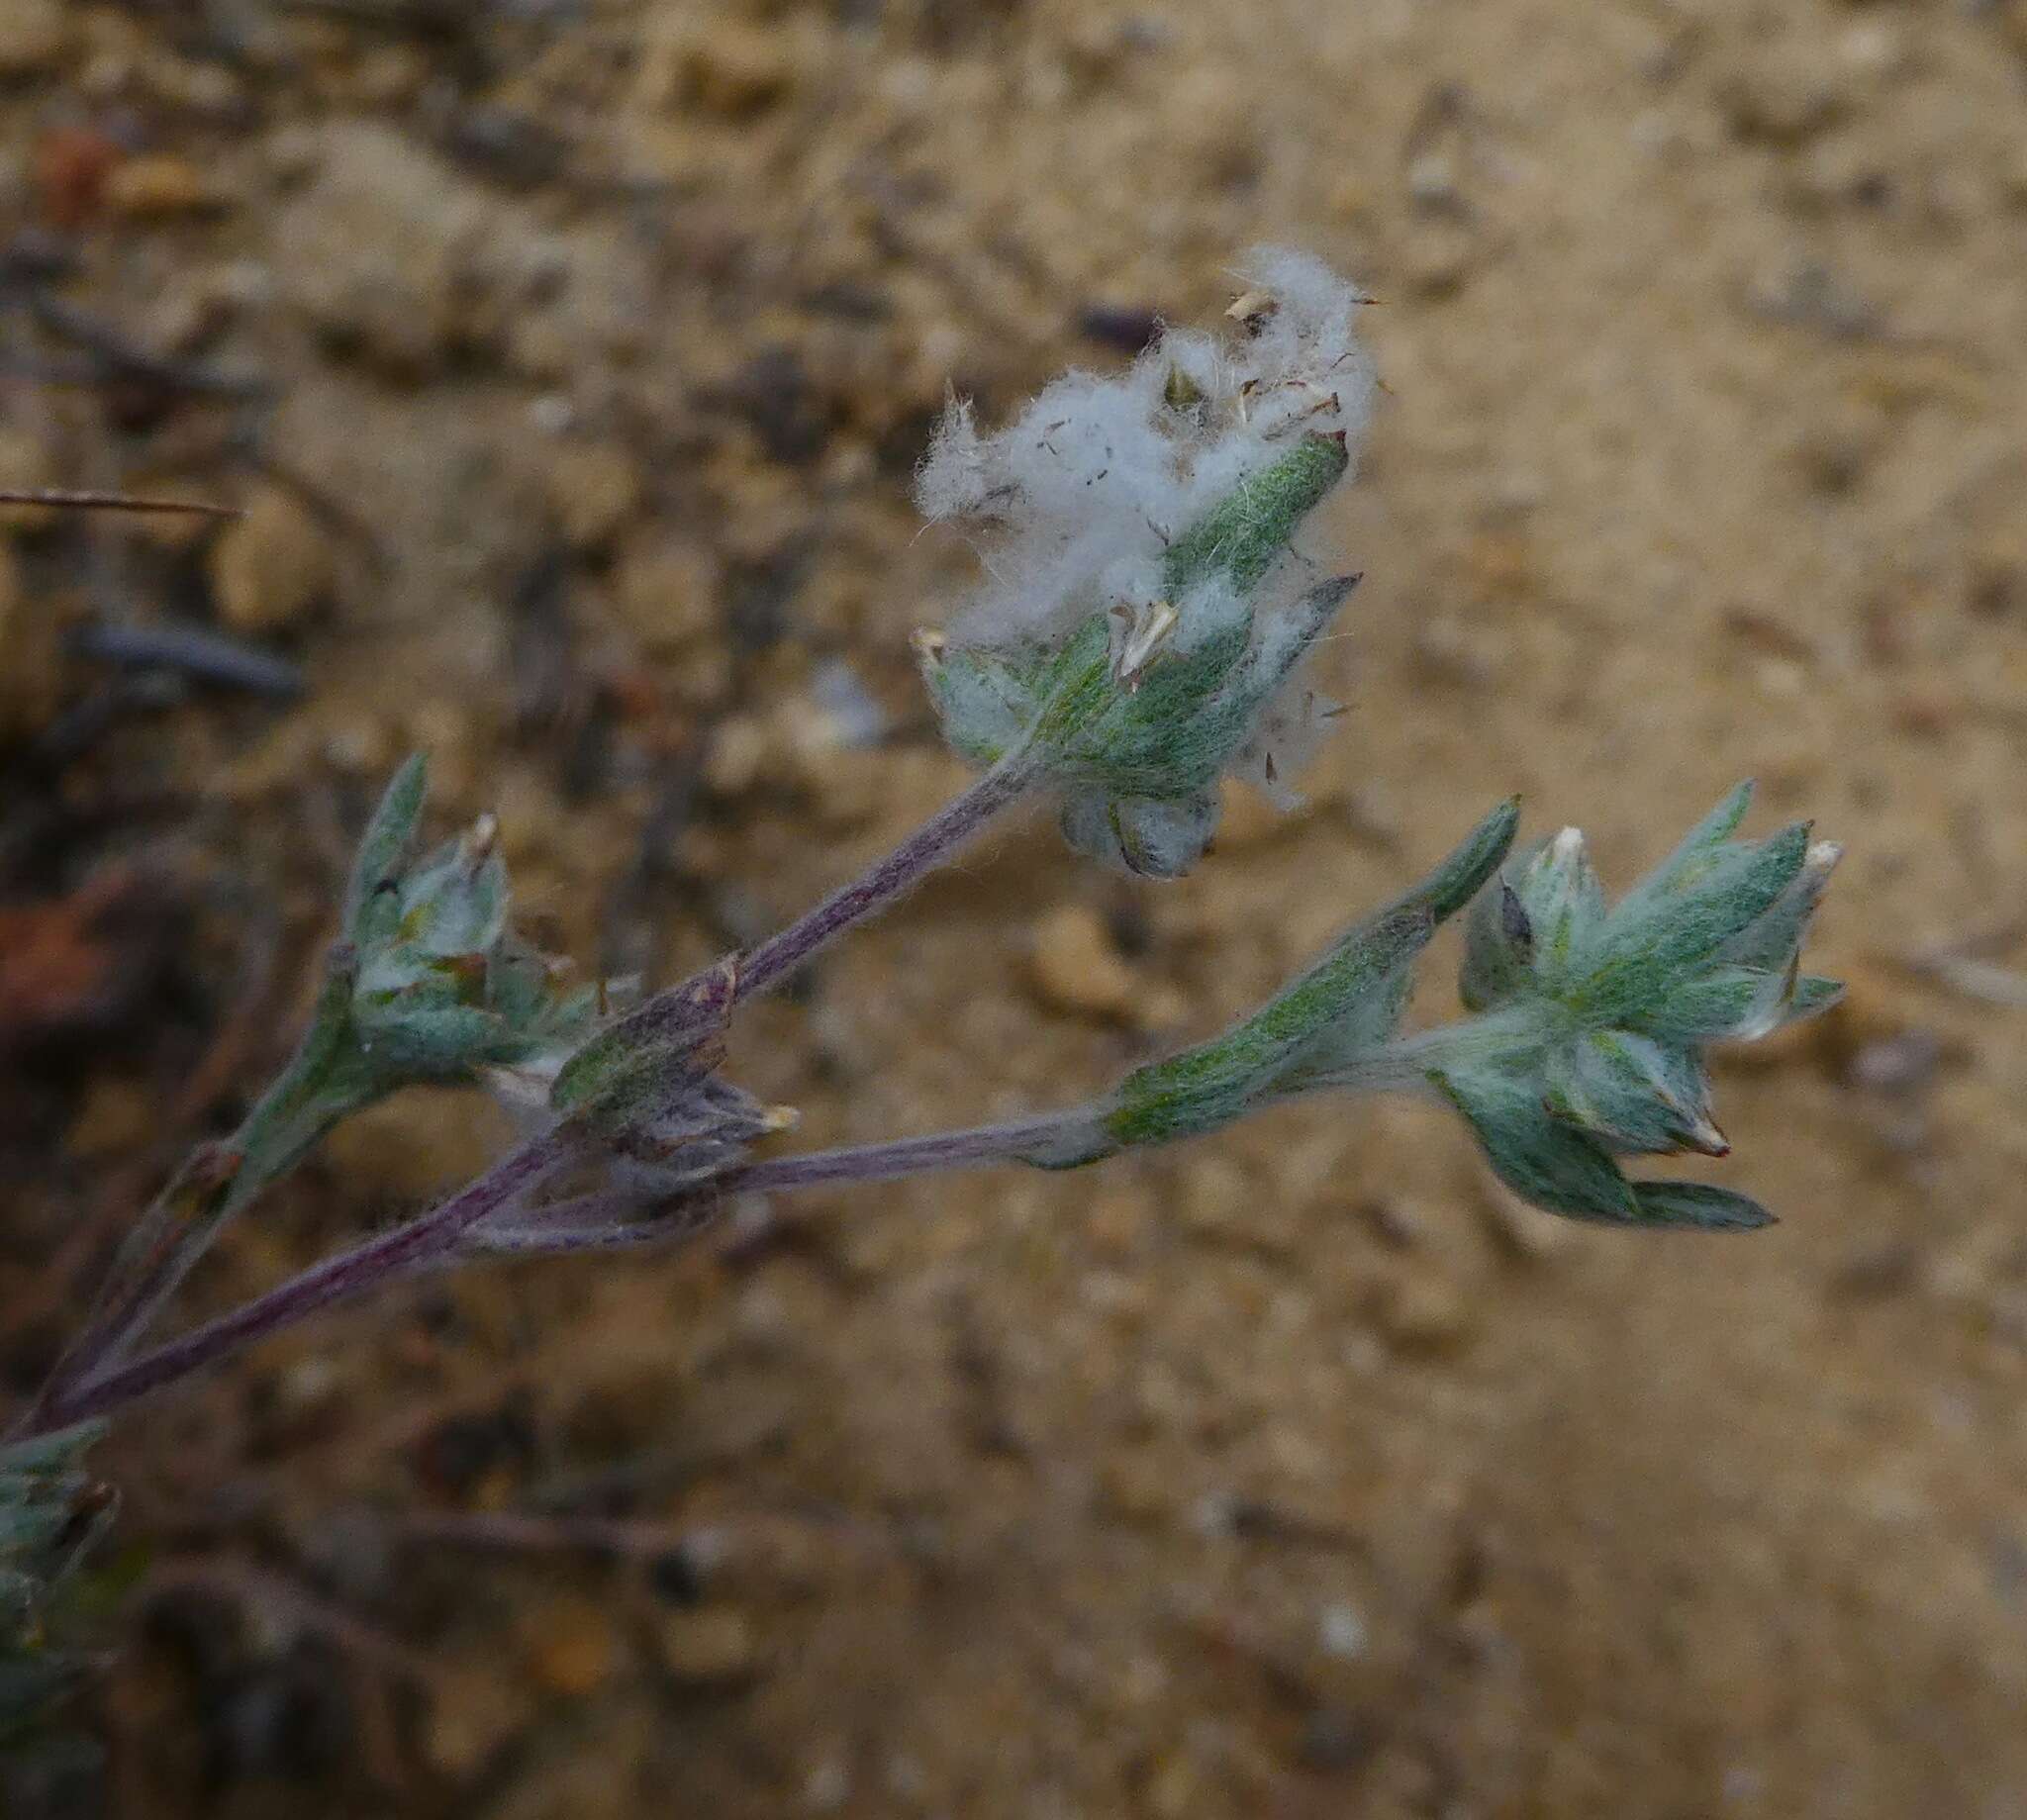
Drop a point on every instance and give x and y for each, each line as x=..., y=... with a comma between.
x=1596, y=1021
x=1144, y=621
x=434, y=984
x=1591, y=1023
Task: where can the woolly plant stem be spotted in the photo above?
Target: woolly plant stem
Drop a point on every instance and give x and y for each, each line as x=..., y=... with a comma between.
x=215, y=1182
x=937, y=841
x=1024, y=1140
x=290, y=1117
x=604, y=1220
x=590, y=1223
x=337, y=1278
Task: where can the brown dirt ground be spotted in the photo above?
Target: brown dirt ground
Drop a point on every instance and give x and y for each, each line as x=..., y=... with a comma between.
x=1294, y=1473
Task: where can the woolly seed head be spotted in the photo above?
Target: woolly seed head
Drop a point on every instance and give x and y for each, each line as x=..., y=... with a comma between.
x=1157, y=504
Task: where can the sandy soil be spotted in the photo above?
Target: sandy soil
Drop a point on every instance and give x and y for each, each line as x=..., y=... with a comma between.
x=1296, y=1473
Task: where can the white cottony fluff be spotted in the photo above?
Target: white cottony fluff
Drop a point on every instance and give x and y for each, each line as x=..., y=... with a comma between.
x=1079, y=495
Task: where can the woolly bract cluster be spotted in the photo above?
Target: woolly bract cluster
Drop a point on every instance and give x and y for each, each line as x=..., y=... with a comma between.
x=1160, y=502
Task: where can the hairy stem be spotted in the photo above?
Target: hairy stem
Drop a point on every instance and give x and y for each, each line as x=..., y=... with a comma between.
x=1053, y=1138
x=587, y=1223
x=214, y=1183
x=607, y=1219
x=484, y=1219
x=617, y=1221
x=933, y=844
x=305, y=1103
x=339, y=1279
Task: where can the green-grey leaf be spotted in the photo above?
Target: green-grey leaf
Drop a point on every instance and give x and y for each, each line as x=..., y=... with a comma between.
x=1774, y=939
x=675, y=1031
x=31, y=1526
x=31, y=1683
x=1699, y=1206
x=1332, y=1010
x=1210, y=1084
x=1243, y=535
x=430, y=1041
x=58, y=1452
x=1632, y=1094
x=1549, y=1164
x=1077, y=685
x=369, y=909
x=1375, y=1014
x=1694, y=850
x=453, y=902
x=1711, y=1004
x=1282, y=640
x=1167, y=738
x=987, y=699
x=1564, y=905
x=1651, y=942
x=1498, y=948
x=1813, y=993
x=1153, y=837
x=1459, y=874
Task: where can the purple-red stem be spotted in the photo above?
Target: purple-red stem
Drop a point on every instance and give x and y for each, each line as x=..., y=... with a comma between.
x=930, y=846
x=335, y=1280
x=607, y=1221
x=1041, y=1139
x=435, y=1235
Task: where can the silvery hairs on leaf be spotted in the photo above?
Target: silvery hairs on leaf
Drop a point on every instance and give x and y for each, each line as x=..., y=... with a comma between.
x=435, y=983
x=426, y=983
x=1143, y=625
x=1594, y=1021
x=1345, y=1007
x=1589, y=1026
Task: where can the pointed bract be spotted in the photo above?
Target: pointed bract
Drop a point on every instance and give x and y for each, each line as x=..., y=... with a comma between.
x=1544, y=1162
x=1699, y=1206
x=1604, y=1012
x=369, y=908
x=1634, y=1095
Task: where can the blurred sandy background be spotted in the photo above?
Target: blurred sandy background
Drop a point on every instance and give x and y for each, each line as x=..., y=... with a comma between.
x=571, y=361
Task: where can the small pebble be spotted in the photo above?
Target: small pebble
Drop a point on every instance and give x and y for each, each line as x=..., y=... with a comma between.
x=710, y=1646
x=573, y=1649
x=158, y=187
x=472, y=1712
x=1424, y=1315
x=270, y=565
x=1174, y=1788
x=1901, y=1066
x=1778, y=104
x=1139, y=1489
x=857, y=721
x=24, y=464
x=31, y=660
x=118, y=1114
x=1341, y=1631
x=667, y=595
x=1440, y=257
x=1216, y=1196
x=594, y=489
x=32, y=36
x=388, y=252
x=1076, y=967
x=733, y=71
